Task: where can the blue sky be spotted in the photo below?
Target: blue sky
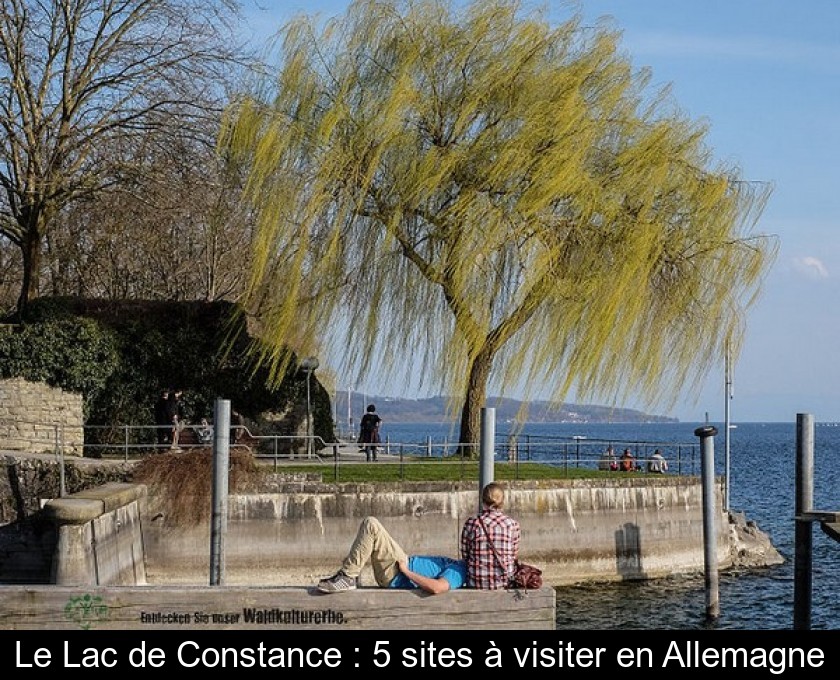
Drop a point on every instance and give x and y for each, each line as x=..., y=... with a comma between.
x=765, y=75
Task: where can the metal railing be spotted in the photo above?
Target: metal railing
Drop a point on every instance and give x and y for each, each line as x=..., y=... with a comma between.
x=682, y=457
x=565, y=452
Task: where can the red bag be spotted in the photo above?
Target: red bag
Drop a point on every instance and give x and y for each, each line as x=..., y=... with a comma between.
x=526, y=576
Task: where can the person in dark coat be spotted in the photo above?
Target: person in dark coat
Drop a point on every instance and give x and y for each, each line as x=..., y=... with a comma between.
x=369, y=432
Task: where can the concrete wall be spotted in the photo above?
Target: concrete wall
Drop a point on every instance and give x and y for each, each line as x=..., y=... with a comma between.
x=99, y=538
x=575, y=531
x=34, y=416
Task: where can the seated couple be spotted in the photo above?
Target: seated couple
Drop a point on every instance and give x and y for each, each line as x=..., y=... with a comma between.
x=480, y=567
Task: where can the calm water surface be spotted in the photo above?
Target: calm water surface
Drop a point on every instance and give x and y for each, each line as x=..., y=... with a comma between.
x=761, y=485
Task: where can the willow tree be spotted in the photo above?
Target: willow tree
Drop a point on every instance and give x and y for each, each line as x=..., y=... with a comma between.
x=495, y=198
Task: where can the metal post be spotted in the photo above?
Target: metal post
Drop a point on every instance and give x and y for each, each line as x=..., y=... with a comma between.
x=488, y=439
x=335, y=408
x=221, y=458
x=728, y=398
x=59, y=454
x=308, y=418
x=309, y=365
x=803, y=534
x=707, y=444
x=63, y=472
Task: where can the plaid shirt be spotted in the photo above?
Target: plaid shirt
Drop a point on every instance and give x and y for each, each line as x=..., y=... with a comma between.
x=483, y=569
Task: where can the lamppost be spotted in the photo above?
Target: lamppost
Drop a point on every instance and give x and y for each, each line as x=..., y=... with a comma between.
x=308, y=366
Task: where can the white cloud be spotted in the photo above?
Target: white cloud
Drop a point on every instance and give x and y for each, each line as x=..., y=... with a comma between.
x=811, y=267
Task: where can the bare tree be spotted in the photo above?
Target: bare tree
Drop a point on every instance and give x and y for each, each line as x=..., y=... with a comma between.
x=175, y=230
x=82, y=83
x=496, y=198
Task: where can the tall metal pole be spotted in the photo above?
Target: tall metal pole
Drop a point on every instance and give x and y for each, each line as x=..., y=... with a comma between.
x=707, y=445
x=308, y=366
x=221, y=461
x=803, y=534
x=335, y=407
x=308, y=418
x=486, y=450
x=728, y=397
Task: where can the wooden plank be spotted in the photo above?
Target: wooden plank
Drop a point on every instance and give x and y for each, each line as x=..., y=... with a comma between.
x=253, y=608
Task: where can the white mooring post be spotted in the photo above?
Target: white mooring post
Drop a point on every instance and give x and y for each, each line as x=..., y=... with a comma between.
x=221, y=458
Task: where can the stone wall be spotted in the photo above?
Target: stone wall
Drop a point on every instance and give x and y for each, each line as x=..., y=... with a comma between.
x=37, y=418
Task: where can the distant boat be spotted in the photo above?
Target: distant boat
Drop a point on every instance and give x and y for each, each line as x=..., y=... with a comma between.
x=578, y=436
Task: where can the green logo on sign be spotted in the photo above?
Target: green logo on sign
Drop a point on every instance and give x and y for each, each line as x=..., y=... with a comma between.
x=86, y=610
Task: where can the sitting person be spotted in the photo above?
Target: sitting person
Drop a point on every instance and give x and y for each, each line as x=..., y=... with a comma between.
x=657, y=463
x=607, y=460
x=204, y=432
x=490, y=542
x=392, y=566
x=627, y=463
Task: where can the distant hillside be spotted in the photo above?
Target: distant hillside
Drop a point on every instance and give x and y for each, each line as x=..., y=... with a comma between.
x=433, y=410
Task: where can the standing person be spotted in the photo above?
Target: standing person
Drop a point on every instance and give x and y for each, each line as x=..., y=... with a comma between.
x=237, y=427
x=174, y=415
x=392, y=566
x=490, y=542
x=162, y=421
x=369, y=432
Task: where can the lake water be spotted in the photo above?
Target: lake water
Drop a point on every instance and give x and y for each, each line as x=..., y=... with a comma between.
x=762, y=459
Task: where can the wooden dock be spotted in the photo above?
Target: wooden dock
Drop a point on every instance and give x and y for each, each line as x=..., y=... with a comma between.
x=177, y=608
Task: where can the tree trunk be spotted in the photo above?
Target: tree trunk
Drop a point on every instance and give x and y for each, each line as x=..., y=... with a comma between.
x=474, y=399
x=31, y=251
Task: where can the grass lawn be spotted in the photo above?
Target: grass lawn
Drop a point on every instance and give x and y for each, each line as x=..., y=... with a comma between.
x=424, y=470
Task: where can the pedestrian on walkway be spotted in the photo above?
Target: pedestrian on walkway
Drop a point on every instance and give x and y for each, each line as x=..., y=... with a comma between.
x=175, y=415
x=369, y=432
x=162, y=420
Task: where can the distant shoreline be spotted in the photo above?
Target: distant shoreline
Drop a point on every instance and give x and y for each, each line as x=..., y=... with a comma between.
x=434, y=410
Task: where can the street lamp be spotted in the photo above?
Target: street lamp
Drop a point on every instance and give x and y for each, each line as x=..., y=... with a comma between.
x=308, y=366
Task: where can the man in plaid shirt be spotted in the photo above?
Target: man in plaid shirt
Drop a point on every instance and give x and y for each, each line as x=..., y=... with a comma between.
x=488, y=569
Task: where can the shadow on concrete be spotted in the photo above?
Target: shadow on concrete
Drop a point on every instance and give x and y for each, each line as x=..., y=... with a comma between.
x=628, y=552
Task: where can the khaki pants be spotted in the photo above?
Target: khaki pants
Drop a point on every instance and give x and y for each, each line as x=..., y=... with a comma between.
x=177, y=425
x=375, y=545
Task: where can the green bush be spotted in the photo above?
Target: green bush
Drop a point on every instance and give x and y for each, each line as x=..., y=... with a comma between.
x=76, y=354
x=120, y=355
